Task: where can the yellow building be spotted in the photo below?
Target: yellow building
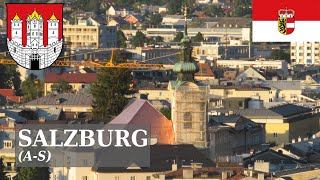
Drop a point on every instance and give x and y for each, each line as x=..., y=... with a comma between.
x=77, y=81
x=282, y=123
x=263, y=93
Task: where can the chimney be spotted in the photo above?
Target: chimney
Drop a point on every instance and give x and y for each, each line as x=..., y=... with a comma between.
x=224, y=175
x=187, y=173
x=293, y=141
x=260, y=176
x=42, y=119
x=299, y=139
x=162, y=177
x=174, y=166
x=275, y=78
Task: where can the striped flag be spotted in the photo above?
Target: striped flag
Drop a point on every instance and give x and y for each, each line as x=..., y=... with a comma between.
x=285, y=21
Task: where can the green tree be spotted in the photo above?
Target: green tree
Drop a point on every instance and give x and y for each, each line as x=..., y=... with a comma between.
x=32, y=173
x=31, y=88
x=121, y=39
x=156, y=40
x=198, y=37
x=139, y=39
x=242, y=8
x=178, y=37
x=155, y=19
x=214, y=10
x=166, y=112
x=174, y=6
x=10, y=77
x=2, y=173
x=279, y=54
x=110, y=91
x=61, y=86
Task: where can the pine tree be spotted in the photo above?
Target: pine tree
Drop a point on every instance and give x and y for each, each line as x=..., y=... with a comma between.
x=31, y=88
x=121, y=39
x=198, y=37
x=110, y=91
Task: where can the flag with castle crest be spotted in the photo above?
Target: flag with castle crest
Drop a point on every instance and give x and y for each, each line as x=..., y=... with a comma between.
x=34, y=34
x=285, y=21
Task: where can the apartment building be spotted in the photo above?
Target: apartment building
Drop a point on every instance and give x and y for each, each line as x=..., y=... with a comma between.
x=89, y=34
x=305, y=53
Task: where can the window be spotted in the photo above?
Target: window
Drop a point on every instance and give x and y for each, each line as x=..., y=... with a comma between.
x=16, y=32
x=275, y=135
x=132, y=178
x=34, y=26
x=54, y=49
x=148, y=178
x=308, y=54
x=52, y=32
x=116, y=178
x=84, y=178
x=160, y=93
x=187, y=120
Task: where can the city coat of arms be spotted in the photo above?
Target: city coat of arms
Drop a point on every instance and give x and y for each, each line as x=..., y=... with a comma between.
x=286, y=21
x=34, y=34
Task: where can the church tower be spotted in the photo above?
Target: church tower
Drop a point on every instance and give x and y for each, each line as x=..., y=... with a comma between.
x=34, y=30
x=53, y=27
x=189, y=99
x=16, y=29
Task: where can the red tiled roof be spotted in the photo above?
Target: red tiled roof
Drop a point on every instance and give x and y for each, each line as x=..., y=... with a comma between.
x=71, y=77
x=15, y=99
x=204, y=70
x=7, y=92
x=142, y=112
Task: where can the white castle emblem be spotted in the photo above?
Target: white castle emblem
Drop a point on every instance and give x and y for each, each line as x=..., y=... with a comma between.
x=34, y=55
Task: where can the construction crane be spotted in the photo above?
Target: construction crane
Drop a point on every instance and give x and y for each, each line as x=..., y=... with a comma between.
x=110, y=64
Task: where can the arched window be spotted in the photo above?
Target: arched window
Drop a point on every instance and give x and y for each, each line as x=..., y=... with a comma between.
x=187, y=118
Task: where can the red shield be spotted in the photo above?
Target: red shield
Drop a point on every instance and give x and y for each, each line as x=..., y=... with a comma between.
x=34, y=33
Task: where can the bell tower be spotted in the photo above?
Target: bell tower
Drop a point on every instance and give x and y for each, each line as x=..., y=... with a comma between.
x=16, y=29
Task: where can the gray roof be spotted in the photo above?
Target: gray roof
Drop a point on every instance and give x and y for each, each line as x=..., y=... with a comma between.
x=283, y=84
x=66, y=99
x=13, y=114
x=288, y=110
x=251, y=113
x=50, y=113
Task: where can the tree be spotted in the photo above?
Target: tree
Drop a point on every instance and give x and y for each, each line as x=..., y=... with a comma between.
x=2, y=173
x=198, y=38
x=174, y=6
x=121, y=39
x=178, y=37
x=10, y=77
x=110, y=91
x=31, y=88
x=214, y=10
x=156, y=40
x=242, y=8
x=166, y=112
x=139, y=39
x=61, y=86
x=155, y=19
x=30, y=173
x=279, y=54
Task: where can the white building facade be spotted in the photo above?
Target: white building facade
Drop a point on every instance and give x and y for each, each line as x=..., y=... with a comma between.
x=305, y=53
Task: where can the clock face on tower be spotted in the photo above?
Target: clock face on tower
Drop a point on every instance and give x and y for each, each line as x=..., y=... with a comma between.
x=34, y=34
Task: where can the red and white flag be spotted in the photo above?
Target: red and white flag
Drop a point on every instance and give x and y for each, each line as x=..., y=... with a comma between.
x=285, y=20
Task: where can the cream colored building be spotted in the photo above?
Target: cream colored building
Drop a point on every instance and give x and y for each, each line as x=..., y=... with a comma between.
x=263, y=93
x=81, y=36
x=244, y=64
x=305, y=53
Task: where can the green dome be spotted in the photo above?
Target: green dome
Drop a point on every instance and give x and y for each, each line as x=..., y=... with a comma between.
x=185, y=67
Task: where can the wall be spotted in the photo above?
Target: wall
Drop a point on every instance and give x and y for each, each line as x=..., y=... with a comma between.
x=304, y=128
x=156, y=94
x=282, y=130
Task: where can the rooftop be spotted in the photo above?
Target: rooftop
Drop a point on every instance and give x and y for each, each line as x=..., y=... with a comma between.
x=288, y=110
x=66, y=99
x=162, y=157
x=71, y=77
